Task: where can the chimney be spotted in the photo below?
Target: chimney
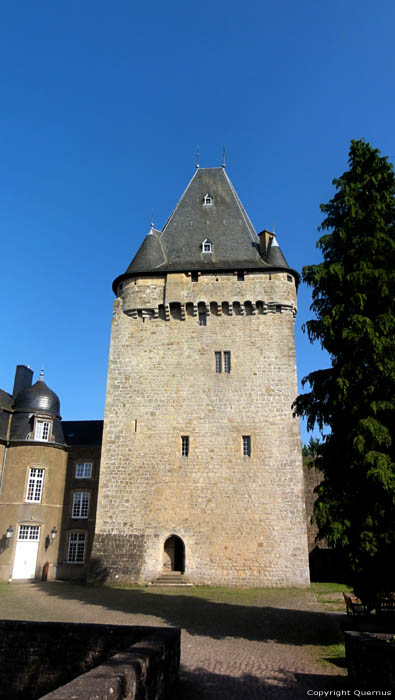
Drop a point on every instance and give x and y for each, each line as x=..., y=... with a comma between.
x=265, y=242
x=23, y=379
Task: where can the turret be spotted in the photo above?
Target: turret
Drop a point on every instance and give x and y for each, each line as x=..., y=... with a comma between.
x=36, y=412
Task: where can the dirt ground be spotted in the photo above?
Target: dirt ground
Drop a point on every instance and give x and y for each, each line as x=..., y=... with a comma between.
x=236, y=644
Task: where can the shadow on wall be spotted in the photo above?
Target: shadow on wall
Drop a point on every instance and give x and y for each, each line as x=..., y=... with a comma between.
x=97, y=571
x=4, y=543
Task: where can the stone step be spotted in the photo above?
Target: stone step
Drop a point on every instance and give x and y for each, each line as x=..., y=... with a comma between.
x=171, y=578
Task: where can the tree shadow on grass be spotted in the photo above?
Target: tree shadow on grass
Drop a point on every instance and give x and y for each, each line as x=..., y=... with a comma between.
x=202, y=616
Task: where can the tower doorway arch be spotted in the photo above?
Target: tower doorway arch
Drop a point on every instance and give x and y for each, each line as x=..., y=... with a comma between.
x=174, y=554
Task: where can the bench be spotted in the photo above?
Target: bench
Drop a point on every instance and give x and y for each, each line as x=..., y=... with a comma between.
x=353, y=608
x=385, y=606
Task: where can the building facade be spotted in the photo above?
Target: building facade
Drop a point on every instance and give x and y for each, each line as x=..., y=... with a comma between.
x=201, y=468
x=49, y=473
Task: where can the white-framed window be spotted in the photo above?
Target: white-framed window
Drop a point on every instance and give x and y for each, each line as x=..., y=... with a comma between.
x=83, y=470
x=80, y=505
x=246, y=445
x=42, y=430
x=184, y=445
x=35, y=485
x=207, y=246
x=76, y=548
x=28, y=533
x=208, y=200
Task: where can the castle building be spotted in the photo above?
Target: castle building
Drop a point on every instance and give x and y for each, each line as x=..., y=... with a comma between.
x=49, y=472
x=201, y=468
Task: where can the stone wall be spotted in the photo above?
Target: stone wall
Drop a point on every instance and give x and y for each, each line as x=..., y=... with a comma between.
x=242, y=518
x=370, y=659
x=38, y=657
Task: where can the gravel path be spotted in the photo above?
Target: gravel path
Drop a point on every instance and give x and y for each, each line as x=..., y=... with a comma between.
x=256, y=646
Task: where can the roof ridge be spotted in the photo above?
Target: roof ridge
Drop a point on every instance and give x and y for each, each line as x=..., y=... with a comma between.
x=243, y=212
x=180, y=200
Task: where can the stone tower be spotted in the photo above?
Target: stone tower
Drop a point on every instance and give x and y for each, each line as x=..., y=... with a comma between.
x=201, y=466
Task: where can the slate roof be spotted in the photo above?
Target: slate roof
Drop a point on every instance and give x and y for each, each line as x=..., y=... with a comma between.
x=6, y=400
x=83, y=432
x=38, y=398
x=225, y=223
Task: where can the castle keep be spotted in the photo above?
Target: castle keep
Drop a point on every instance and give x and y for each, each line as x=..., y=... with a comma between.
x=201, y=468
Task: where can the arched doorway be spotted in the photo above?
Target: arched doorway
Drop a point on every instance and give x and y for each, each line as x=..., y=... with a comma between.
x=174, y=554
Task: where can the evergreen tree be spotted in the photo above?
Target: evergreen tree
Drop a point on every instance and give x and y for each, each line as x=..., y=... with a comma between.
x=353, y=293
x=311, y=449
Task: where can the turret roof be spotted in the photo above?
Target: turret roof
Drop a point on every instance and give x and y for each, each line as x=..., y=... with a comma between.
x=38, y=398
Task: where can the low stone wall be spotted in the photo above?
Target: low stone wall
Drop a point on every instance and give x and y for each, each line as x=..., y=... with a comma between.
x=118, y=661
x=370, y=658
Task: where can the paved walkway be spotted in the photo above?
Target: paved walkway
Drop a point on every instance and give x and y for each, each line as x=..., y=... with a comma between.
x=263, y=646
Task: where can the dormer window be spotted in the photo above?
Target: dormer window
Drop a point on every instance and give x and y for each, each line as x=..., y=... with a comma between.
x=42, y=430
x=207, y=246
x=208, y=200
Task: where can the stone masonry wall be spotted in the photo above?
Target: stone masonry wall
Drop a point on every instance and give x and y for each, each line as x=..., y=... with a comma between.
x=38, y=657
x=241, y=518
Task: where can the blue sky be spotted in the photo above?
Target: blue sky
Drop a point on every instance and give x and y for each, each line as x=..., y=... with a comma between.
x=103, y=106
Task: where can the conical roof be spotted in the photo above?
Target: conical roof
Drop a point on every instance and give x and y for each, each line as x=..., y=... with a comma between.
x=209, y=210
x=275, y=257
x=38, y=398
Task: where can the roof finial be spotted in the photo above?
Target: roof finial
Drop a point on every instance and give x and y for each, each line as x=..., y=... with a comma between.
x=223, y=156
x=197, y=157
x=152, y=223
x=41, y=378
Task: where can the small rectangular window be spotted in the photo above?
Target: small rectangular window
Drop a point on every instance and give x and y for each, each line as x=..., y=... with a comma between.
x=76, y=550
x=184, y=445
x=240, y=276
x=42, y=430
x=246, y=446
x=202, y=319
x=35, y=485
x=218, y=362
x=227, y=362
x=194, y=276
x=80, y=505
x=83, y=470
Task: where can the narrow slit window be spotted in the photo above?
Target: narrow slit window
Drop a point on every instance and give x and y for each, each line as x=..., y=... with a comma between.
x=227, y=364
x=246, y=446
x=218, y=362
x=184, y=445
